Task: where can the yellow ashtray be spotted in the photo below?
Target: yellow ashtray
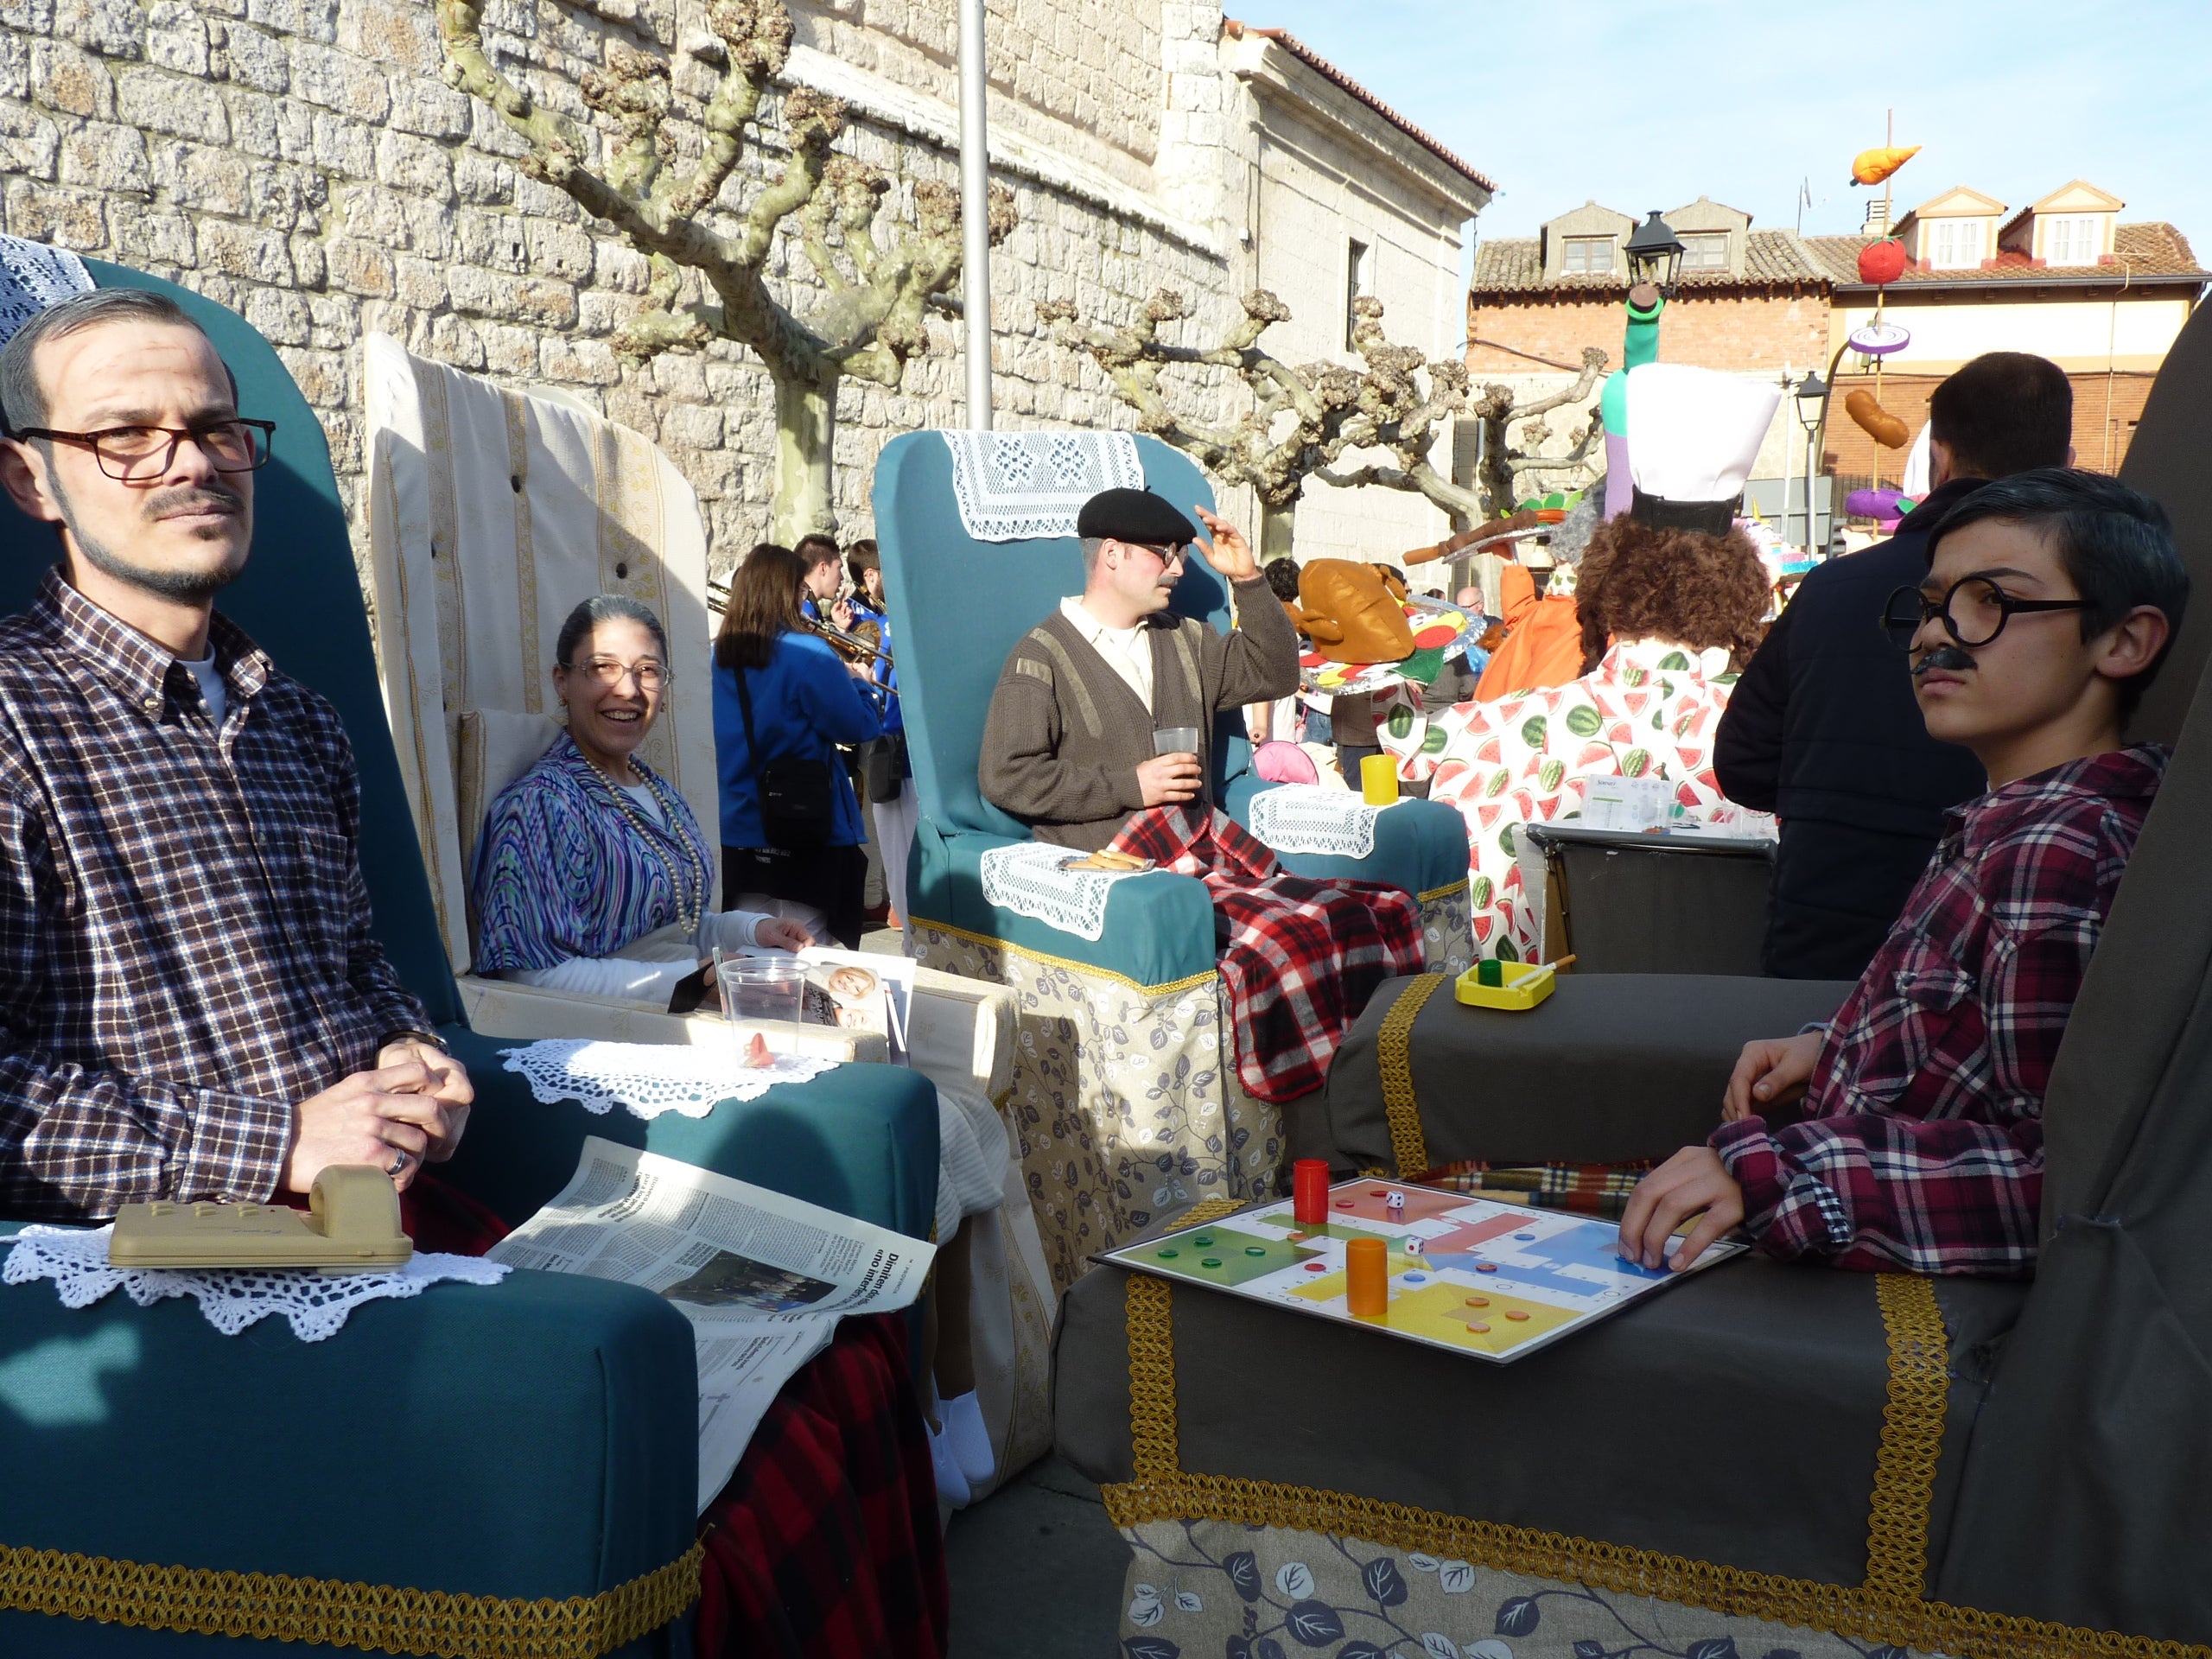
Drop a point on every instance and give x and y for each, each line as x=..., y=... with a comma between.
x=1522, y=986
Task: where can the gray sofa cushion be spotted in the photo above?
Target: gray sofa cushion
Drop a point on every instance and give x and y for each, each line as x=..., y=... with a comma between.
x=1612, y=1067
x=1733, y=1419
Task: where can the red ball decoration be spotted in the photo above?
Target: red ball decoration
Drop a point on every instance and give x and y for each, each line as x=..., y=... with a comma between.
x=1881, y=262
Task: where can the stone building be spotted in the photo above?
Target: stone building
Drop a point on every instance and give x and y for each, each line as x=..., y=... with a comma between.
x=304, y=161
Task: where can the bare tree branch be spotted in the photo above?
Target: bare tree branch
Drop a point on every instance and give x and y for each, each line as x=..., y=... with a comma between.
x=870, y=318
x=1304, y=419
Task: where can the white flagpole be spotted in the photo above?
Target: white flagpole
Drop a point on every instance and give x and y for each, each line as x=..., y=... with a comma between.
x=974, y=216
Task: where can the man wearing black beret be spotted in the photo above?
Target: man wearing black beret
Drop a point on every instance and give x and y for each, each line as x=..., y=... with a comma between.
x=1068, y=746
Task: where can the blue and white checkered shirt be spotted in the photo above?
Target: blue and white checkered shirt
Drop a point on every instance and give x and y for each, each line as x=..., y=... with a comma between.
x=185, y=948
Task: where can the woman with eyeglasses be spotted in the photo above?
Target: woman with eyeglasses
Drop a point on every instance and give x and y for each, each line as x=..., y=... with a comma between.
x=784, y=701
x=593, y=875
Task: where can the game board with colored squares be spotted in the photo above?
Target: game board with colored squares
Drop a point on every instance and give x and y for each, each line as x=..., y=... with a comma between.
x=1497, y=1281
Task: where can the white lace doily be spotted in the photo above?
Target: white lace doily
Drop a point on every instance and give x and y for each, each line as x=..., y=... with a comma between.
x=1027, y=879
x=315, y=1305
x=32, y=278
x=1017, y=487
x=1306, y=818
x=651, y=1079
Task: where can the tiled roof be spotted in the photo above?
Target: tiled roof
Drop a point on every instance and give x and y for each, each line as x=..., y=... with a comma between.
x=2152, y=250
x=1313, y=61
x=1513, y=265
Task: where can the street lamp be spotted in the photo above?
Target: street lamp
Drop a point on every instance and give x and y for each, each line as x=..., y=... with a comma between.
x=1811, y=398
x=1654, y=254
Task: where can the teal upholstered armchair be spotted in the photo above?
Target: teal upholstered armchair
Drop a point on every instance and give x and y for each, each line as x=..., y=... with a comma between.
x=1128, y=1107
x=534, y=1441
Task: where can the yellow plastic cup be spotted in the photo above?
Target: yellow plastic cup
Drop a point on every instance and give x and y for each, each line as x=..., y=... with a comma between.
x=1378, y=779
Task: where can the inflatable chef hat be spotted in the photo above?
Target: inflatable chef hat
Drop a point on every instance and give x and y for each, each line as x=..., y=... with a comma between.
x=1693, y=437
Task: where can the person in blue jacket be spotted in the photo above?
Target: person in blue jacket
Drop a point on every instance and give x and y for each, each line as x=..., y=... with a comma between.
x=803, y=700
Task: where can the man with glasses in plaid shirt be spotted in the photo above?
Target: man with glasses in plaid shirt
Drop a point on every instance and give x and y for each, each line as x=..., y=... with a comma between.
x=192, y=1002
x=2049, y=604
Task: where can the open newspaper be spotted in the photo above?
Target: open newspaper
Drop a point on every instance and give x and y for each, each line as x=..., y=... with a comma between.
x=763, y=1279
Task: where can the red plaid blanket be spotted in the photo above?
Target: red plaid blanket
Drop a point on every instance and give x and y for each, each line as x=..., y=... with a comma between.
x=1298, y=958
x=825, y=1543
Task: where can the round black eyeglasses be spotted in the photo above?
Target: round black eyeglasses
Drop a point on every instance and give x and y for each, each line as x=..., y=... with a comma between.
x=1973, y=612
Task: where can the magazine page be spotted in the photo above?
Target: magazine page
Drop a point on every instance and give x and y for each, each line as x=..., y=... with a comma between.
x=763, y=1279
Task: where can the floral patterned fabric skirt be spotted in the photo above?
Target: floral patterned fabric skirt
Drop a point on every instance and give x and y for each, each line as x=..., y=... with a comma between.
x=1216, y=1587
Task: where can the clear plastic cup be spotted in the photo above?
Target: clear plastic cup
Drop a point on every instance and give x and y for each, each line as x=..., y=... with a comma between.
x=756, y=988
x=1175, y=740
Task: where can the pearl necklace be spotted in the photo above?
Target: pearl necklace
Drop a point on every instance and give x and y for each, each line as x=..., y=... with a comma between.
x=690, y=900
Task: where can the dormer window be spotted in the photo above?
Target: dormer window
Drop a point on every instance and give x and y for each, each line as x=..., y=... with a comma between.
x=1956, y=243
x=1707, y=252
x=2073, y=238
x=1589, y=255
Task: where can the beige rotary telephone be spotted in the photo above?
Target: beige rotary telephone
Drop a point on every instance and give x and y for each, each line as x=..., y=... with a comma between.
x=352, y=1226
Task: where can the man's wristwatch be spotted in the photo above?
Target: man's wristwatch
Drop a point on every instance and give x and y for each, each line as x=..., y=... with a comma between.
x=410, y=1035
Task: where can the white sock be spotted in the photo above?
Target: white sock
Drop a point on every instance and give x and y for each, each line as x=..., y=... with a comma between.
x=971, y=1441
x=952, y=1484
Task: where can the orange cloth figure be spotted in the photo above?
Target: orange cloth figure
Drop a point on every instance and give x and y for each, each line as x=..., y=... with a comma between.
x=1543, y=645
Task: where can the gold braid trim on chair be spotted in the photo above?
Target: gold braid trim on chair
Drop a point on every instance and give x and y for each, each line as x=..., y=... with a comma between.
x=1394, y=1059
x=1890, y=1607
x=1434, y=894
x=1168, y=988
x=275, y=1607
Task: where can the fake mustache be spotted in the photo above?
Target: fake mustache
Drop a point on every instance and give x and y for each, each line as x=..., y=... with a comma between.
x=1948, y=658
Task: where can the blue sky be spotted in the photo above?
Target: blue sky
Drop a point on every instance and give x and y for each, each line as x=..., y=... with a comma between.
x=1643, y=104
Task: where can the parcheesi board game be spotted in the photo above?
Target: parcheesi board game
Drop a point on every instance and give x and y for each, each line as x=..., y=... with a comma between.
x=1473, y=1274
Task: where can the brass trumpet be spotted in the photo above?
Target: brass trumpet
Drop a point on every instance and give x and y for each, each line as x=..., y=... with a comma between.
x=855, y=646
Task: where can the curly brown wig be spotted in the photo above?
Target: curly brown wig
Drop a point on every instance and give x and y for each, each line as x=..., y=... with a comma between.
x=1678, y=585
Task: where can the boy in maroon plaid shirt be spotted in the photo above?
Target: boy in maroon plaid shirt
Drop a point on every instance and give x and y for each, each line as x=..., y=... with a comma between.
x=2049, y=604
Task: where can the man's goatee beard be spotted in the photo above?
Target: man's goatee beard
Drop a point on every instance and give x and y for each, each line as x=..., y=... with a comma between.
x=189, y=585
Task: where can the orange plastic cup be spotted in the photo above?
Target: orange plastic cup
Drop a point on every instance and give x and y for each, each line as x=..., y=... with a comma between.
x=1367, y=1278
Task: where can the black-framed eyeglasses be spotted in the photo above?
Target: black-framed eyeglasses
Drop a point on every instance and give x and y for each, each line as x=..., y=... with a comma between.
x=1973, y=612
x=138, y=454
x=606, y=671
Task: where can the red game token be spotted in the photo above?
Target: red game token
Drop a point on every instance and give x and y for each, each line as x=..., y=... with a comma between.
x=1515, y=1313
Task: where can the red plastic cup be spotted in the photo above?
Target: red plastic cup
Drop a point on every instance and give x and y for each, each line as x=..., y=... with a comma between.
x=1309, y=1192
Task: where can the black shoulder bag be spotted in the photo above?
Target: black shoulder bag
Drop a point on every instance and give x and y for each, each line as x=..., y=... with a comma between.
x=797, y=808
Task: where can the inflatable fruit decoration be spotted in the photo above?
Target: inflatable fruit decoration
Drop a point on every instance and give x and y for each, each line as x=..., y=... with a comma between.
x=1877, y=423
x=1875, y=166
x=1882, y=262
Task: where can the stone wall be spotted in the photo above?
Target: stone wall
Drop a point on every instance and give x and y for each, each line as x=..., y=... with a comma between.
x=302, y=161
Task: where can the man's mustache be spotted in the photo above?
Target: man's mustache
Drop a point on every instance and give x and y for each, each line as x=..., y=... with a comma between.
x=1948, y=659
x=193, y=497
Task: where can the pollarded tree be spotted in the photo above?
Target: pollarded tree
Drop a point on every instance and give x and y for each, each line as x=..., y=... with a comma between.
x=684, y=214
x=1304, y=419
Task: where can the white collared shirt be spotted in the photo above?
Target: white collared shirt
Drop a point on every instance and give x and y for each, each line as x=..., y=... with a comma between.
x=1127, y=652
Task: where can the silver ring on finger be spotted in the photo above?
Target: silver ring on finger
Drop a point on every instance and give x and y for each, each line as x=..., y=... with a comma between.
x=400, y=1161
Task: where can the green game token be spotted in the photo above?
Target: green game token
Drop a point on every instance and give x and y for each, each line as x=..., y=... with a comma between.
x=1169, y=1255
x=1254, y=1250
x=1210, y=1261
x=1203, y=1243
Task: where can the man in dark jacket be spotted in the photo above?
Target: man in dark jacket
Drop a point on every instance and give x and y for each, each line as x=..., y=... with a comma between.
x=1823, y=729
